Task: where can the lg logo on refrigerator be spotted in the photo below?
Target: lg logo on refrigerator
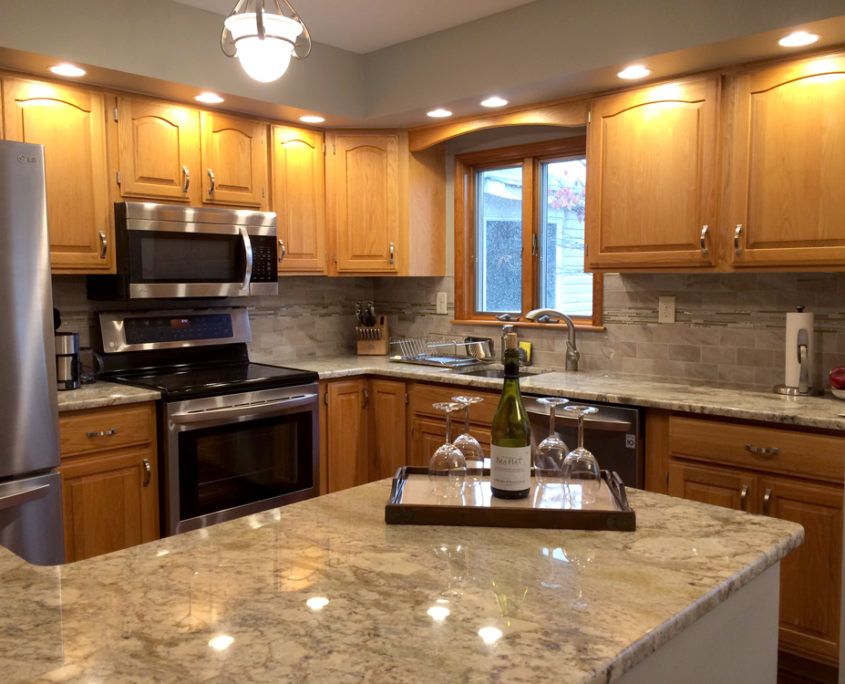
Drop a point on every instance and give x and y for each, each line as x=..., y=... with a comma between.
x=26, y=159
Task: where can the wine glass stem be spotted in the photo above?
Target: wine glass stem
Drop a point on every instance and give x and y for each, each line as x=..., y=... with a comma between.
x=466, y=420
x=551, y=420
x=581, y=431
x=448, y=427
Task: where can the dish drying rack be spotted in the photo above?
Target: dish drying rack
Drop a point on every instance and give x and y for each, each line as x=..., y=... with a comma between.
x=446, y=351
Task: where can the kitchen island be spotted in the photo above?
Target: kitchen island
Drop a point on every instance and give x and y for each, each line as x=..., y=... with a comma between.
x=323, y=590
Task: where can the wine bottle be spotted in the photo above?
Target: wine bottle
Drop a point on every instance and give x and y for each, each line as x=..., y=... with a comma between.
x=510, y=452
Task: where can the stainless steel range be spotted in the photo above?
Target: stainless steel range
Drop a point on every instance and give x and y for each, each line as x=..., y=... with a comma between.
x=235, y=437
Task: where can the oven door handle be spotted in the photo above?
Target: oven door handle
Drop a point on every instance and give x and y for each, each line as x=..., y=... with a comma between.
x=247, y=259
x=249, y=411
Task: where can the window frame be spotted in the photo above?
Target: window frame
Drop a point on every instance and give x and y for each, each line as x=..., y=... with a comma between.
x=530, y=157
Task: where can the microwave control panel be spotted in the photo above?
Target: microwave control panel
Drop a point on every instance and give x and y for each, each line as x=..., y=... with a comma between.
x=264, y=260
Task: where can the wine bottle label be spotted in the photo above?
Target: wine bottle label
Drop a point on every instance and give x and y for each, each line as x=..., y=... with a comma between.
x=510, y=468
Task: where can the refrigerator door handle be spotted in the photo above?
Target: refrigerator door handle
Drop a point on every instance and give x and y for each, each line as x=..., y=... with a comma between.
x=24, y=496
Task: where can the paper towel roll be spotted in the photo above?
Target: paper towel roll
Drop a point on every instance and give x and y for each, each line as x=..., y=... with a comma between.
x=795, y=322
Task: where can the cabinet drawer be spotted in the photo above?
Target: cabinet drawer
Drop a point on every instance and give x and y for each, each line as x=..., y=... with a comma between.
x=423, y=396
x=768, y=449
x=99, y=429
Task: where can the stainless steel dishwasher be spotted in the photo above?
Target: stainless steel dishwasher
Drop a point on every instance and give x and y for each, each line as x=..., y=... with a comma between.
x=613, y=434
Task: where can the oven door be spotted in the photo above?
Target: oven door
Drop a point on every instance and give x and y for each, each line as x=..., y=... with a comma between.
x=238, y=454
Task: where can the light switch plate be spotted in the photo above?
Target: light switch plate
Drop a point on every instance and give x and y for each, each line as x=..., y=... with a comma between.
x=442, y=303
x=666, y=309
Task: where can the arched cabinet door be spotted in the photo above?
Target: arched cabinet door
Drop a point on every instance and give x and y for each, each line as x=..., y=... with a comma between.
x=652, y=177
x=234, y=160
x=786, y=204
x=299, y=199
x=364, y=201
x=158, y=150
x=70, y=124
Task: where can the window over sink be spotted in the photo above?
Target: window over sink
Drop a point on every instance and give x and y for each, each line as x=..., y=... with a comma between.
x=519, y=233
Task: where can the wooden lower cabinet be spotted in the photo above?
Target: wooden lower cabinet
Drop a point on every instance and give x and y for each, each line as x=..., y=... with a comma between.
x=773, y=484
x=347, y=442
x=109, y=474
x=387, y=428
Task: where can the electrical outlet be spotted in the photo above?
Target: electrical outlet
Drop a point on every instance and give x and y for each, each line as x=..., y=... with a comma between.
x=666, y=309
x=442, y=303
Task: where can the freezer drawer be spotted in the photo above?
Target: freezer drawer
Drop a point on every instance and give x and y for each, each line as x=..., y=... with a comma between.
x=31, y=518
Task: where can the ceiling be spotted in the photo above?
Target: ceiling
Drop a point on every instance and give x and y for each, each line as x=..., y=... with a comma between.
x=367, y=25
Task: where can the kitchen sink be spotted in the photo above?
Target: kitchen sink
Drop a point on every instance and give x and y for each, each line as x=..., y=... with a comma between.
x=494, y=373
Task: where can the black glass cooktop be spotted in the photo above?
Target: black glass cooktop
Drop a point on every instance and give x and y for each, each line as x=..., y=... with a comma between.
x=207, y=380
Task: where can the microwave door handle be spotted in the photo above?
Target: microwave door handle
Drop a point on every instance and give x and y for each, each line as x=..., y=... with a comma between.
x=247, y=258
x=241, y=411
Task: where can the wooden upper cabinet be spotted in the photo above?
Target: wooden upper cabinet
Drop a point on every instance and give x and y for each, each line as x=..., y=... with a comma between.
x=158, y=150
x=363, y=201
x=652, y=177
x=299, y=198
x=234, y=160
x=787, y=165
x=70, y=124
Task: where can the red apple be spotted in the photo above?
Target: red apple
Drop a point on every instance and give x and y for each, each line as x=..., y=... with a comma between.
x=837, y=378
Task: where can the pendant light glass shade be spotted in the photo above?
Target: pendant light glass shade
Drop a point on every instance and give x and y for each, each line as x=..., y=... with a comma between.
x=264, y=42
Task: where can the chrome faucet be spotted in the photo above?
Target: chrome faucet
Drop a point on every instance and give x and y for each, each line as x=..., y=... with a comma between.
x=572, y=353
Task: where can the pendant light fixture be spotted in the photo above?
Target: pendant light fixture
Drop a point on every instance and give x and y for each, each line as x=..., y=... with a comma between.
x=264, y=41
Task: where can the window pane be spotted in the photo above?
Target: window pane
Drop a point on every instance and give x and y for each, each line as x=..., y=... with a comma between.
x=498, y=240
x=563, y=285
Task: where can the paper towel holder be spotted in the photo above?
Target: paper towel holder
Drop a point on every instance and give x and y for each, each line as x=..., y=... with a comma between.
x=803, y=352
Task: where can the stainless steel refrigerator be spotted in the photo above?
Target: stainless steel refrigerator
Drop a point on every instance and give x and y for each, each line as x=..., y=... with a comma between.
x=30, y=487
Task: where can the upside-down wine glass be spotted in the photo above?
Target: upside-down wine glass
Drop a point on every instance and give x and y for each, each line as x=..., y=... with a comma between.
x=580, y=467
x=447, y=467
x=469, y=445
x=550, y=453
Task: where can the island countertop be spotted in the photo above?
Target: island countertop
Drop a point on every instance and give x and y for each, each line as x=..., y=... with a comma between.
x=323, y=590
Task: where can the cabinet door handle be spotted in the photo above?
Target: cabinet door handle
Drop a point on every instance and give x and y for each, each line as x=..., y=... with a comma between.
x=762, y=451
x=392, y=250
x=187, y=179
x=704, y=250
x=743, y=498
x=148, y=471
x=104, y=243
x=767, y=498
x=213, y=182
x=737, y=234
x=284, y=251
x=365, y=398
x=102, y=433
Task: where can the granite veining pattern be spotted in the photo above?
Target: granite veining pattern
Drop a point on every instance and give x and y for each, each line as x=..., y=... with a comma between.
x=102, y=394
x=823, y=412
x=569, y=606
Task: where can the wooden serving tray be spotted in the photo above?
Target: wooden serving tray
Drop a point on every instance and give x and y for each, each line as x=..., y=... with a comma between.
x=413, y=502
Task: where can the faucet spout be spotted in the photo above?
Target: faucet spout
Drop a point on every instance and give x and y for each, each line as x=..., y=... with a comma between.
x=572, y=353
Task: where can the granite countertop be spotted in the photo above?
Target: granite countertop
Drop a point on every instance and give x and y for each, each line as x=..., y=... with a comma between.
x=323, y=590
x=823, y=412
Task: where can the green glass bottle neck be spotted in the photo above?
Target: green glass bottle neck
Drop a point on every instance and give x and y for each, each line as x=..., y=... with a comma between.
x=511, y=365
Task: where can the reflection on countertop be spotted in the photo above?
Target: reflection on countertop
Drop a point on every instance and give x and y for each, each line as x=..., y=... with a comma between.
x=323, y=590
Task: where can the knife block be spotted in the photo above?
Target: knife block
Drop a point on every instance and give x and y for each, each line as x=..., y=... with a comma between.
x=372, y=339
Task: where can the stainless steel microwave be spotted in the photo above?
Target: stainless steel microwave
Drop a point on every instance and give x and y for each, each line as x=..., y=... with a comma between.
x=165, y=251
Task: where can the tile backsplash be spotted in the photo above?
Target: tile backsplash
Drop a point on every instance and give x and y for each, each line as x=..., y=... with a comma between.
x=728, y=328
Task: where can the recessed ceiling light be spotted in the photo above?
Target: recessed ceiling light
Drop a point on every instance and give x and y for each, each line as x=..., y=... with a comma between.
x=798, y=39
x=311, y=118
x=209, y=98
x=494, y=101
x=439, y=113
x=634, y=71
x=67, y=70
